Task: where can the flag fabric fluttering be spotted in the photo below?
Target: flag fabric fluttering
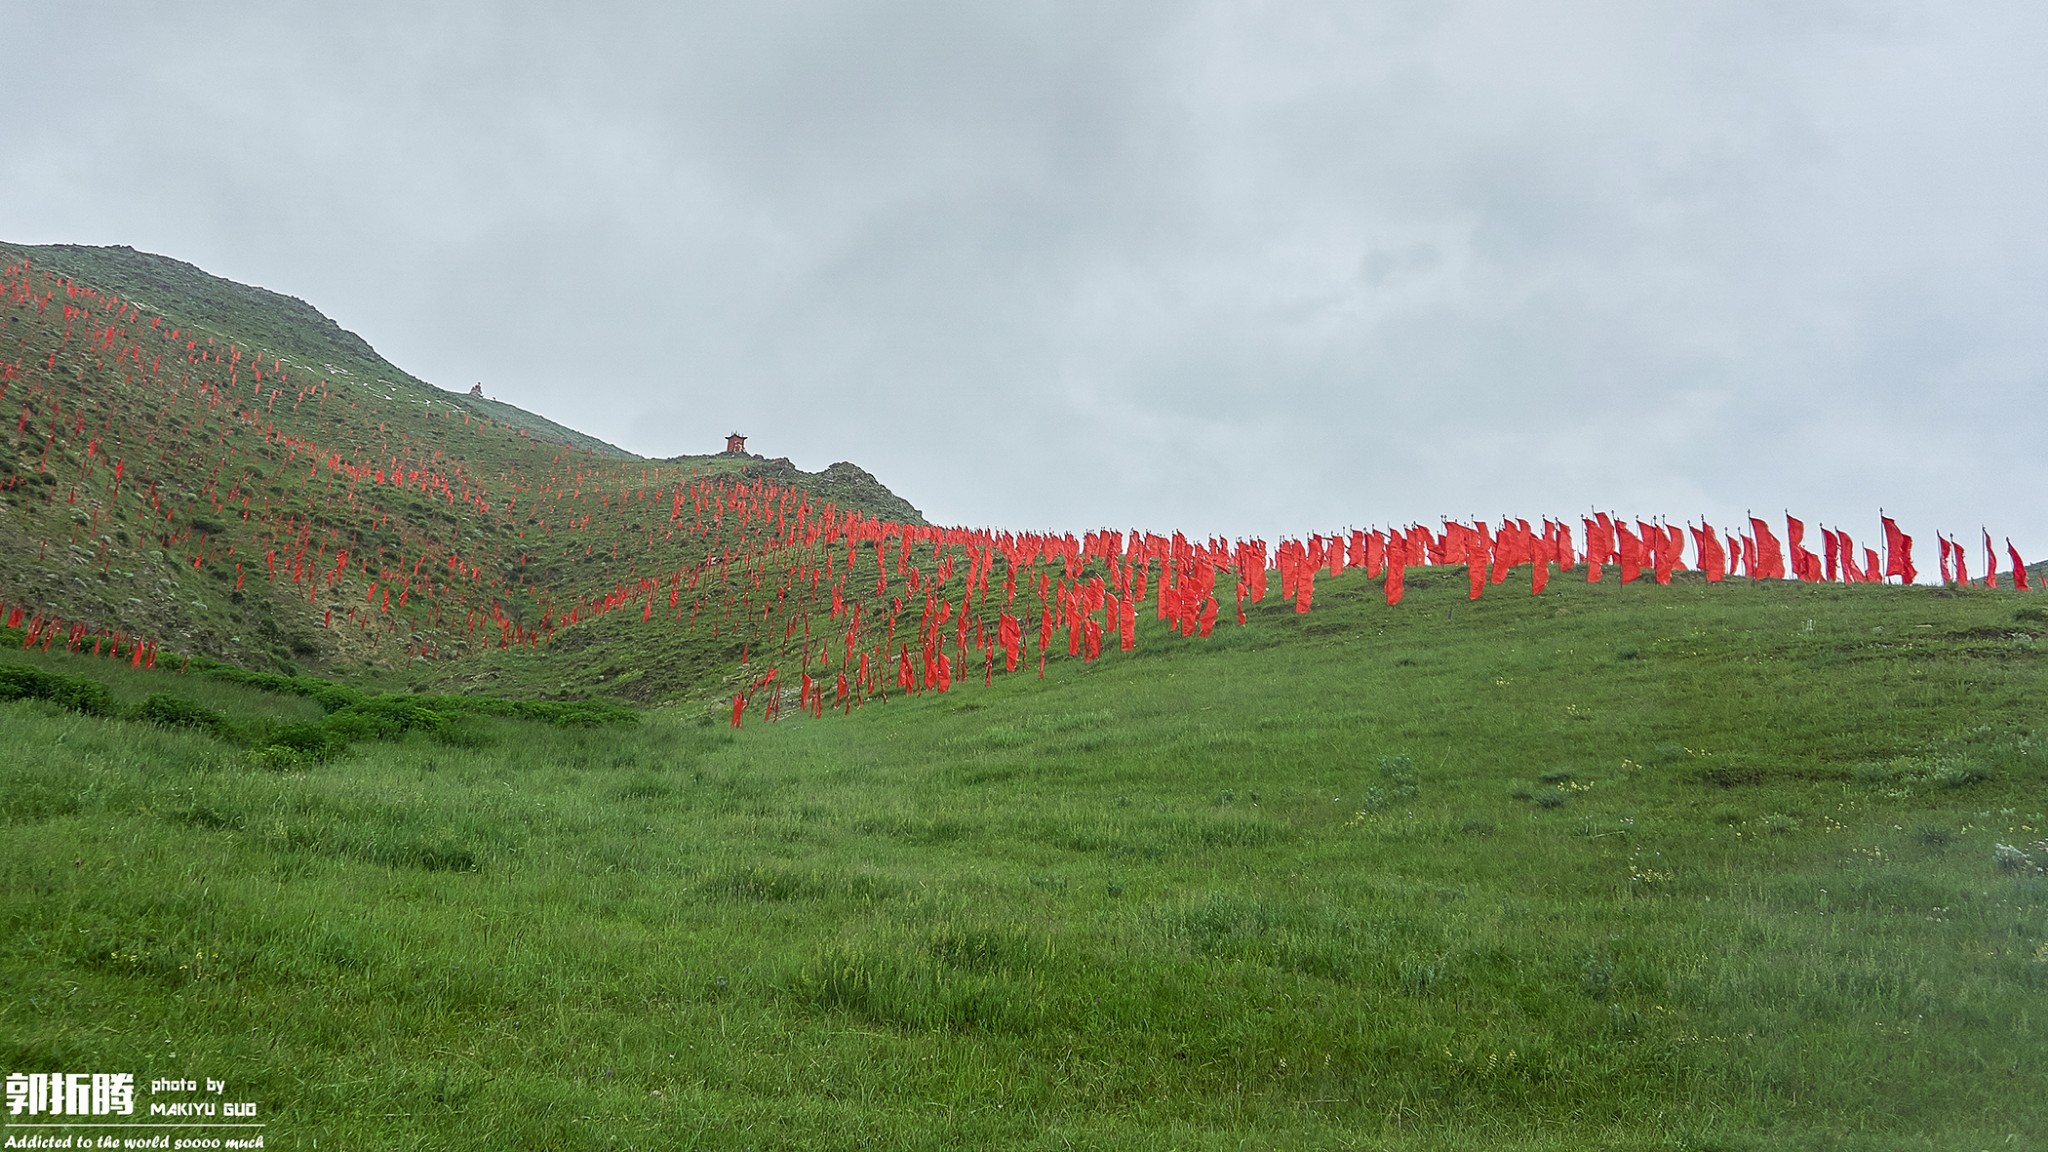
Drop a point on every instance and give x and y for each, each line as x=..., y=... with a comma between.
x=1898, y=552
x=763, y=563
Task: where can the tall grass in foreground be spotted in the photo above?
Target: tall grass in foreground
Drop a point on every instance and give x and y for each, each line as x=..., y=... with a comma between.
x=1684, y=867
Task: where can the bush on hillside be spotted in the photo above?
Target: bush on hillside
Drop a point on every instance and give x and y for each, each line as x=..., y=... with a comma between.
x=383, y=718
x=74, y=692
x=330, y=696
x=172, y=712
x=311, y=740
x=559, y=713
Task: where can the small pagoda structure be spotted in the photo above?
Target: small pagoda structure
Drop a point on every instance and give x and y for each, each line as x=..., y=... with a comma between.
x=736, y=444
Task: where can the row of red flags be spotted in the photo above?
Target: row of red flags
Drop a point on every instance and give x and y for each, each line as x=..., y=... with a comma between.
x=758, y=563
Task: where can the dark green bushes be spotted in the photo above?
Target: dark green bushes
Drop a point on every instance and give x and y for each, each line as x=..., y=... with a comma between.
x=172, y=712
x=74, y=692
x=352, y=716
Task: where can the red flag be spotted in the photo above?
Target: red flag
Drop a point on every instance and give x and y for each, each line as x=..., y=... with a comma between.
x=1599, y=545
x=1990, y=561
x=1805, y=565
x=1770, y=560
x=1010, y=634
x=1397, y=563
x=1631, y=551
x=2019, y=570
x=1476, y=546
x=1713, y=561
x=1898, y=552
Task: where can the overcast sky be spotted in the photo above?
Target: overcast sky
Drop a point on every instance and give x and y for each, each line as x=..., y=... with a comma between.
x=1231, y=268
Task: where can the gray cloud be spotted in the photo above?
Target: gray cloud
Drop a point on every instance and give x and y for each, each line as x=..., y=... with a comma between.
x=1224, y=267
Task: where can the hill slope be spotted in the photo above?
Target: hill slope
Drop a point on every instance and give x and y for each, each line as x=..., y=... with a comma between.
x=1618, y=867
x=249, y=481
x=262, y=321
x=173, y=485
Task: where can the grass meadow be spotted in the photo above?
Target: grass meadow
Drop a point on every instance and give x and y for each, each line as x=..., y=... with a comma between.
x=1690, y=867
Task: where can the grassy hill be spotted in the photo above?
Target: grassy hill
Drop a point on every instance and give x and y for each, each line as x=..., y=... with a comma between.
x=220, y=470
x=1617, y=867
x=272, y=323
x=316, y=782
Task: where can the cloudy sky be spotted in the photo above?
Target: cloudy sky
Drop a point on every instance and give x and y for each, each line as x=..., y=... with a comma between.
x=1230, y=268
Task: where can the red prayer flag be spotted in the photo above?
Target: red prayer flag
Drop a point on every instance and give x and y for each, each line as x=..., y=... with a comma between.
x=1476, y=547
x=1770, y=559
x=1898, y=552
x=1713, y=561
x=1805, y=565
x=1397, y=563
x=1630, y=550
x=1599, y=546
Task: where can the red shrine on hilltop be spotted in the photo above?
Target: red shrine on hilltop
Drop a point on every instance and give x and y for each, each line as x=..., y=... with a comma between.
x=736, y=443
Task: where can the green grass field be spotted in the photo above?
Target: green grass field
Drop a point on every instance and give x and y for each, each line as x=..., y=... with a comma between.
x=1638, y=867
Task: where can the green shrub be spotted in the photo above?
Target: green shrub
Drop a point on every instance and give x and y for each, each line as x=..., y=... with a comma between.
x=558, y=713
x=172, y=712
x=330, y=696
x=311, y=740
x=384, y=718
x=74, y=692
x=279, y=758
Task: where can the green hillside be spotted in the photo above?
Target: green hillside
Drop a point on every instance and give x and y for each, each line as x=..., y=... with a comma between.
x=270, y=322
x=440, y=778
x=1618, y=867
x=219, y=470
